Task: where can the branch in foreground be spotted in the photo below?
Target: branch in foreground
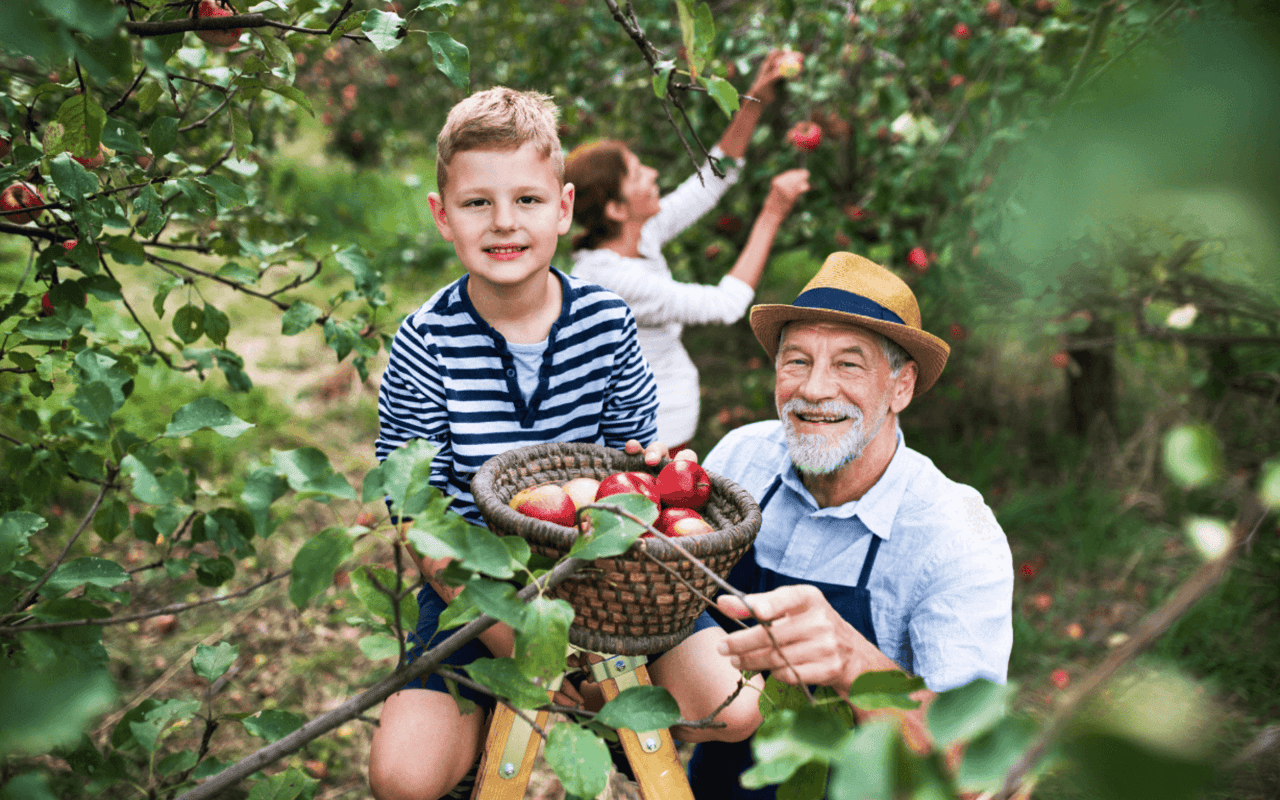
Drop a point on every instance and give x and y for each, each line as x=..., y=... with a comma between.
x=380, y=691
x=1149, y=629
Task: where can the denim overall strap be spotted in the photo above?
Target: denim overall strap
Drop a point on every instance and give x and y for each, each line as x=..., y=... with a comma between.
x=716, y=766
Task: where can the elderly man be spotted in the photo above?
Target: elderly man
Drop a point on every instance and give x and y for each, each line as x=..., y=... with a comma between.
x=868, y=558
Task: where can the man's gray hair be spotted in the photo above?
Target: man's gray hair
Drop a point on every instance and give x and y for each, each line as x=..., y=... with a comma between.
x=894, y=353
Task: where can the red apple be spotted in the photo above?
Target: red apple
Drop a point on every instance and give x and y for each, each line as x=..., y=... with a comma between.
x=805, y=136
x=219, y=38
x=92, y=162
x=669, y=516
x=1060, y=678
x=919, y=260
x=1061, y=359
x=17, y=197
x=711, y=252
x=790, y=64
x=5, y=146
x=550, y=503
x=960, y=31
x=684, y=484
x=641, y=483
x=46, y=306
x=728, y=224
x=689, y=527
x=993, y=9
x=581, y=490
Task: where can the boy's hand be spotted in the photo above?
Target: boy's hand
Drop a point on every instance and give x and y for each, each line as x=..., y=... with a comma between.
x=654, y=453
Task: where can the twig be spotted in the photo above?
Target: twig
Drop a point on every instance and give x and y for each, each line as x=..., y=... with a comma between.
x=172, y=608
x=224, y=24
x=716, y=579
x=457, y=677
x=1129, y=48
x=112, y=472
x=1147, y=631
x=380, y=691
x=1091, y=46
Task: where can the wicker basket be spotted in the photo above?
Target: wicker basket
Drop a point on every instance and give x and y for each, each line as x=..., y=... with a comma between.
x=626, y=605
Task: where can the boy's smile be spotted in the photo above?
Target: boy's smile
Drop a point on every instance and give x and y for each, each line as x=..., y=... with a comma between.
x=504, y=211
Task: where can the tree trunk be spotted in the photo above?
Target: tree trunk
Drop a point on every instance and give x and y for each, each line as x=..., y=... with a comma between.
x=1091, y=382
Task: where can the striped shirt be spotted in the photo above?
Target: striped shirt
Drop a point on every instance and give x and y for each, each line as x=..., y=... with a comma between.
x=451, y=379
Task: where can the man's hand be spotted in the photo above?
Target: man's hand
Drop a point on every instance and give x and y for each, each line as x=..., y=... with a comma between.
x=654, y=453
x=817, y=646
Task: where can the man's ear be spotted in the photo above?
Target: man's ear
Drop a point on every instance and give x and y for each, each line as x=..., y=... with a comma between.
x=566, y=209
x=904, y=387
x=439, y=216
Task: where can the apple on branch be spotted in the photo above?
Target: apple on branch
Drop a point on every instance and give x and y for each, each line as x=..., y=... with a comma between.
x=219, y=38
x=15, y=198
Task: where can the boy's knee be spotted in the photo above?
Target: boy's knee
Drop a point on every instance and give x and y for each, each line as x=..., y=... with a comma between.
x=408, y=782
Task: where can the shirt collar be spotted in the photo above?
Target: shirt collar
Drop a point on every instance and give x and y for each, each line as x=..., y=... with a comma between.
x=878, y=507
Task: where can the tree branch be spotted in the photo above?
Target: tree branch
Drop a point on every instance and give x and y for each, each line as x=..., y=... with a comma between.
x=167, y=27
x=380, y=691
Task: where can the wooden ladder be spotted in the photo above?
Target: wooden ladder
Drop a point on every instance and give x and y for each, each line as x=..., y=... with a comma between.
x=512, y=744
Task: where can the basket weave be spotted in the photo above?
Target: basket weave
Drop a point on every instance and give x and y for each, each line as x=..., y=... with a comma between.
x=625, y=605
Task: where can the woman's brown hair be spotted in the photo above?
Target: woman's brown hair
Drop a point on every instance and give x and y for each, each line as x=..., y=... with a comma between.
x=596, y=171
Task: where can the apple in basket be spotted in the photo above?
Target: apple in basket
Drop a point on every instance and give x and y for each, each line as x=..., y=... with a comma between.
x=684, y=484
x=641, y=483
x=548, y=502
x=675, y=521
x=582, y=490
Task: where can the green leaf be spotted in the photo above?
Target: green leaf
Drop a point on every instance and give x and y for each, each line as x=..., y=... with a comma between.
x=886, y=689
x=379, y=647
x=292, y=93
x=497, y=599
x=866, y=767
x=163, y=136
x=287, y=785
x=988, y=758
x=177, y=762
x=383, y=29
x=274, y=724
x=72, y=180
x=1268, y=486
x=82, y=120
x=188, y=323
x=16, y=528
x=300, y=316
x=808, y=783
x=1192, y=455
x=640, y=708
x=211, y=662
x=503, y=677
x=378, y=603
x=315, y=563
x=230, y=195
x=448, y=534
x=41, y=709
x=403, y=477
x=724, y=94
x=451, y=57
x=307, y=470
x=612, y=534
x=202, y=413
x=967, y=712
x=216, y=324
x=94, y=401
x=367, y=279
x=688, y=36
x=579, y=758
x=28, y=786
x=542, y=638
x=95, y=571
x=662, y=77
x=152, y=217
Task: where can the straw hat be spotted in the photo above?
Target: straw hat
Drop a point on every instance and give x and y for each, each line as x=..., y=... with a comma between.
x=852, y=290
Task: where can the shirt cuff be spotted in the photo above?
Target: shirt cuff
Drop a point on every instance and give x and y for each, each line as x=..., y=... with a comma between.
x=737, y=288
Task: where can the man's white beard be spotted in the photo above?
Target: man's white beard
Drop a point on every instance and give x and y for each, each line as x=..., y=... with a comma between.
x=817, y=453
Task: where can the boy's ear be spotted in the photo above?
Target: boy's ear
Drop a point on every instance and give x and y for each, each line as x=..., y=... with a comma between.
x=566, y=209
x=439, y=216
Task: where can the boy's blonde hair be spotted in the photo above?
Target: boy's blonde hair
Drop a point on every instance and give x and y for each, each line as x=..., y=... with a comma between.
x=499, y=119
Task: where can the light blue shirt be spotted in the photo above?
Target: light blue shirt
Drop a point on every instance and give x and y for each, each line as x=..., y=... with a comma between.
x=942, y=585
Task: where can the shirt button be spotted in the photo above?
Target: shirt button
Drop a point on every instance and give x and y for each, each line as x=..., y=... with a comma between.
x=511, y=373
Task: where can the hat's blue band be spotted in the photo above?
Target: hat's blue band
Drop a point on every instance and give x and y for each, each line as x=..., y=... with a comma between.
x=839, y=300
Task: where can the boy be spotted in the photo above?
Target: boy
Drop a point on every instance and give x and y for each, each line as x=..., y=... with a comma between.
x=513, y=353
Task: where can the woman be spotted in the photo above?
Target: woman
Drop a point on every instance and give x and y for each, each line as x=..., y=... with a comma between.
x=625, y=224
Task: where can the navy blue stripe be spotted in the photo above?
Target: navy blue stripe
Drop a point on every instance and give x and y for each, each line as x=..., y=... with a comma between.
x=839, y=300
